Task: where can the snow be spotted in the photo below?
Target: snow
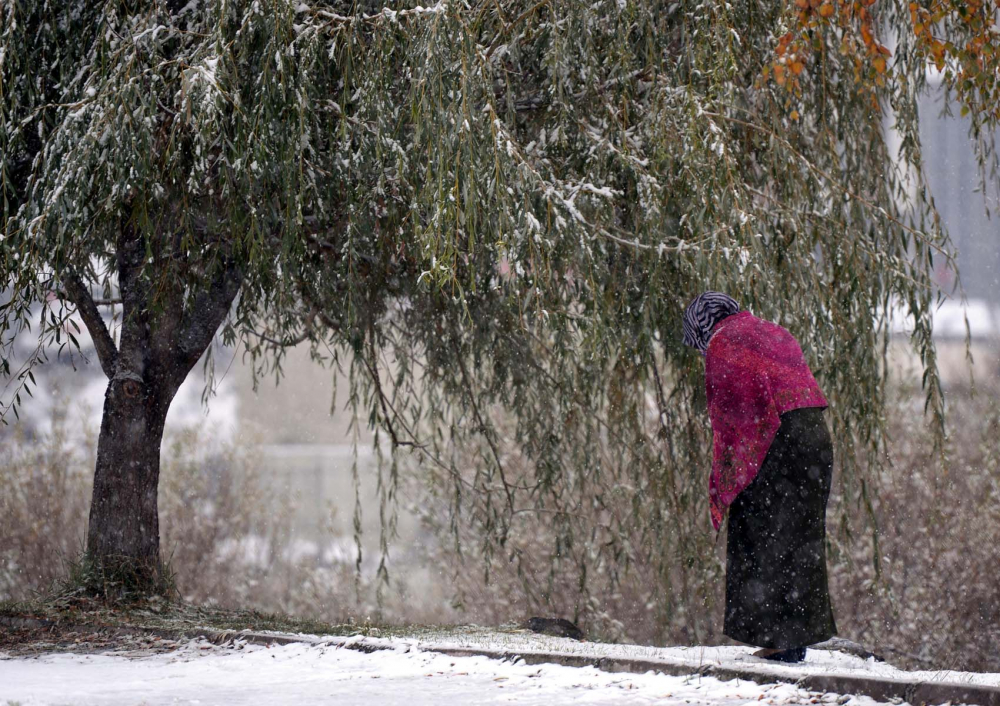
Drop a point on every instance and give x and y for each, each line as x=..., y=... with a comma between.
x=949, y=319
x=406, y=670
x=201, y=673
x=818, y=662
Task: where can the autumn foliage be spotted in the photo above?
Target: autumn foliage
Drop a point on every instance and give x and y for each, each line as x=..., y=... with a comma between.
x=956, y=38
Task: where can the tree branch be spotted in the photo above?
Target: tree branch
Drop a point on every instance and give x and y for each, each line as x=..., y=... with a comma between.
x=205, y=314
x=98, y=302
x=387, y=407
x=79, y=294
x=307, y=333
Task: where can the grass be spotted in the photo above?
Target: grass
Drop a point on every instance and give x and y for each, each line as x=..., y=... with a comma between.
x=157, y=613
x=163, y=614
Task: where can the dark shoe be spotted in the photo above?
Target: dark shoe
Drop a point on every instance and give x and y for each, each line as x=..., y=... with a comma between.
x=791, y=656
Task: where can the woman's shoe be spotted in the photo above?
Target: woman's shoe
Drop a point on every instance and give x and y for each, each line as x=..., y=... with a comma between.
x=791, y=655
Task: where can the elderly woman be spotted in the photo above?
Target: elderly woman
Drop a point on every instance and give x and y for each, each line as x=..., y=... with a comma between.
x=771, y=469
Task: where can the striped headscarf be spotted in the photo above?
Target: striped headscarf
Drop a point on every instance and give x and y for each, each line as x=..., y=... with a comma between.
x=703, y=314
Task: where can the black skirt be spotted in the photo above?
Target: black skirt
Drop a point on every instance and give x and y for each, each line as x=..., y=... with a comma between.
x=776, y=582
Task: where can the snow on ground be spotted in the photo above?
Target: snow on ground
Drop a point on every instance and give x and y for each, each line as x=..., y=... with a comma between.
x=818, y=662
x=203, y=674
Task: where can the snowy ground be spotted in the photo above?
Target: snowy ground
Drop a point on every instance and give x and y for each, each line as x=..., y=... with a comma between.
x=200, y=673
x=818, y=662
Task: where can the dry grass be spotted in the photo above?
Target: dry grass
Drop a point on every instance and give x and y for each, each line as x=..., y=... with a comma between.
x=44, y=503
x=938, y=600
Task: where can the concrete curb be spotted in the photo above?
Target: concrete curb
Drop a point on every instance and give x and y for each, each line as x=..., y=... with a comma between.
x=916, y=693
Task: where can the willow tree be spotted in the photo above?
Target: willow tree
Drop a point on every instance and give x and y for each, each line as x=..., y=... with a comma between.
x=492, y=212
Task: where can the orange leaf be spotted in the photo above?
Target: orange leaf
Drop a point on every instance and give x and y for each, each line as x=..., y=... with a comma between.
x=880, y=64
x=826, y=9
x=866, y=36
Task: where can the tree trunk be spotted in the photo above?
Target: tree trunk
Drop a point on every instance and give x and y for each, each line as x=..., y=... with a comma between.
x=164, y=331
x=123, y=539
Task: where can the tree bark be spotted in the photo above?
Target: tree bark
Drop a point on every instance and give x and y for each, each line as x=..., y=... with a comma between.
x=123, y=539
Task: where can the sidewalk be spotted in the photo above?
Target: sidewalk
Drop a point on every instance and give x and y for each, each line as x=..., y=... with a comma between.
x=512, y=653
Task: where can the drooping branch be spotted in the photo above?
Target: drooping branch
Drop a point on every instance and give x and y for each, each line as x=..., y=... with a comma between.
x=483, y=428
x=291, y=341
x=79, y=294
x=388, y=412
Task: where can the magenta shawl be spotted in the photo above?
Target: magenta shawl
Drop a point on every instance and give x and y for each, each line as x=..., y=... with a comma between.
x=754, y=372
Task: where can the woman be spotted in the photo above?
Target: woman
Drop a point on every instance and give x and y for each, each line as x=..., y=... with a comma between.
x=771, y=469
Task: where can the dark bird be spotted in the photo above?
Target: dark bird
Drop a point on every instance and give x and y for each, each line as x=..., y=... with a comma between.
x=559, y=627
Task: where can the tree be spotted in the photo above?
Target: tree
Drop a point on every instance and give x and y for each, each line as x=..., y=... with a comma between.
x=480, y=207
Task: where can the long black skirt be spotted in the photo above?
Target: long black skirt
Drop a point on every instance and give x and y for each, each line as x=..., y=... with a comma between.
x=776, y=582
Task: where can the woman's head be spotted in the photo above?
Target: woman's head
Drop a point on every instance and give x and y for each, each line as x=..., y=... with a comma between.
x=703, y=314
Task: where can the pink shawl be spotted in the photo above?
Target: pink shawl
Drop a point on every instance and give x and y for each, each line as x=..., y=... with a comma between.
x=754, y=372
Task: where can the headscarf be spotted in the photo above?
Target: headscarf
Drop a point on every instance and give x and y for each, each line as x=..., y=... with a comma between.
x=703, y=314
